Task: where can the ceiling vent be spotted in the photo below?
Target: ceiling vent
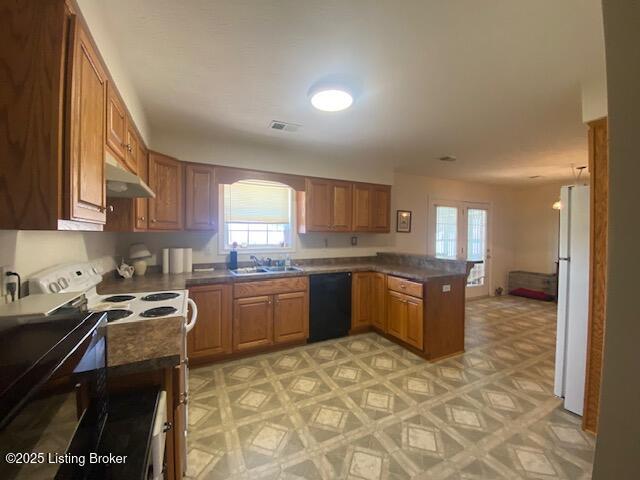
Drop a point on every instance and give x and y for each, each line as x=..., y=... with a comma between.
x=447, y=158
x=284, y=126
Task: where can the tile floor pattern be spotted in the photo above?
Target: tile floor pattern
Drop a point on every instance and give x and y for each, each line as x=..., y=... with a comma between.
x=364, y=408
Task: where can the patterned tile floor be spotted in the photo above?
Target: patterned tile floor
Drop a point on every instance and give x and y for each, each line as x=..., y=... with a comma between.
x=364, y=408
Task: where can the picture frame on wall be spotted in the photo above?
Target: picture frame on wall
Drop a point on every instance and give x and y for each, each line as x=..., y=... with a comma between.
x=403, y=221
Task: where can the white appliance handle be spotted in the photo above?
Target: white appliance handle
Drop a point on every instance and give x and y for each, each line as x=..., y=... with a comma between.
x=194, y=315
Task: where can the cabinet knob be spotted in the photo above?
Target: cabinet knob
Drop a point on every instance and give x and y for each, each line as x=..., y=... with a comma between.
x=141, y=219
x=153, y=220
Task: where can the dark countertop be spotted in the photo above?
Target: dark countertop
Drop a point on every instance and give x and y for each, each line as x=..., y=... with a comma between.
x=158, y=281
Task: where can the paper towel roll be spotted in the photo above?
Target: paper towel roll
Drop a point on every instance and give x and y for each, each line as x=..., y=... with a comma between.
x=165, y=260
x=176, y=260
x=188, y=259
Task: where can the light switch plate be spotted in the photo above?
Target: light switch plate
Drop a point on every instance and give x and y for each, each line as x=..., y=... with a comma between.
x=446, y=288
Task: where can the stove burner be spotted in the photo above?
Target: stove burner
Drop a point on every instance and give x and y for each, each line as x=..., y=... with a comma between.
x=158, y=312
x=156, y=297
x=119, y=298
x=117, y=314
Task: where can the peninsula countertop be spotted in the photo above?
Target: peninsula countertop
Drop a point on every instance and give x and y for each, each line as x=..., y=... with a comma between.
x=159, y=281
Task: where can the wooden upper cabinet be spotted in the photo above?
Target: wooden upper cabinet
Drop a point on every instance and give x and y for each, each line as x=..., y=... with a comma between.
x=317, y=205
x=88, y=99
x=381, y=208
x=141, y=205
x=116, y=123
x=252, y=323
x=341, y=205
x=131, y=147
x=291, y=317
x=362, y=213
x=212, y=333
x=201, y=197
x=165, y=179
x=378, y=301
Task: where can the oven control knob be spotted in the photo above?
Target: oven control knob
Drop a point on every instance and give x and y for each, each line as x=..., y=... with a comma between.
x=54, y=287
x=63, y=282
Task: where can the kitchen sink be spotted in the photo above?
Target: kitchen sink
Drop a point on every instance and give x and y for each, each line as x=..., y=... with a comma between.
x=239, y=272
x=282, y=269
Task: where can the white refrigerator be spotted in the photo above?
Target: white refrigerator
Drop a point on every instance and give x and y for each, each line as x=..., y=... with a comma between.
x=573, y=297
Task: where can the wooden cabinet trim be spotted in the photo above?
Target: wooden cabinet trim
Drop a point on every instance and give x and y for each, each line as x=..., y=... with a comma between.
x=270, y=287
x=407, y=287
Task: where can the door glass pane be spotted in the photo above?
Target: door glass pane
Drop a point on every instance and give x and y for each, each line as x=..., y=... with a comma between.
x=446, y=232
x=476, y=244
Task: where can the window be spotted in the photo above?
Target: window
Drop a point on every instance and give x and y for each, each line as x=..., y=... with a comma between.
x=257, y=215
x=446, y=232
x=476, y=244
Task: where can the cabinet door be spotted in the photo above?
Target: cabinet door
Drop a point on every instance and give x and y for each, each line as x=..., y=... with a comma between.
x=291, y=317
x=361, y=300
x=87, y=132
x=378, y=297
x=341, y=206
x=414, y=328
x=131, y=148
x=142, y=204
x=396, y=314
x=380, y=208
x=165, y=179
x=116, y=124
x=212, y=332
x=252, y=323
x=318, y=205
x=362, y=213
x=201, y=198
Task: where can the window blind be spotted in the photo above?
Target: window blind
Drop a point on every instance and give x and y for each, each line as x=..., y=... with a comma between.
x=253, y=201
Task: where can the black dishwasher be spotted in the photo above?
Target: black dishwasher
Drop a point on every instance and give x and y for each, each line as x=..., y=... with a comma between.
x=329, y=306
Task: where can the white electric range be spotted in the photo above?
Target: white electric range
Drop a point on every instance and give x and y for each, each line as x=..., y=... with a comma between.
x=82, y=278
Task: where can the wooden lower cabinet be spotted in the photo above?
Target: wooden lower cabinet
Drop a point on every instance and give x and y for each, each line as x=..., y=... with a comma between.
x=211, y=335
x=405, y=318
x=270, y=312
x=252, y=323
x=396, y=314
x=378, y=301
x=361, y=292
x=291, y=317
x=414, y=333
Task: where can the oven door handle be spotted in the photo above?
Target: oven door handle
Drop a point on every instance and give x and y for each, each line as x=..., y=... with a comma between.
x=194, y=315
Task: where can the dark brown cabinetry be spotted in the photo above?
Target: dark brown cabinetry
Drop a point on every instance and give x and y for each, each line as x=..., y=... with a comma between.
x=88, y=100
x=165, y=179
x=201, y=197
x=211, y=335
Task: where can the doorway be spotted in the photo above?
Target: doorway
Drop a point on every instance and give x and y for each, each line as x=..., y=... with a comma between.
x=460, y=230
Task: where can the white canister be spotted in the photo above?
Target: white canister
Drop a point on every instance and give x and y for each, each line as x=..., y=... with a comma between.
x=188, y=259
x=176, y=260
x=165, y=260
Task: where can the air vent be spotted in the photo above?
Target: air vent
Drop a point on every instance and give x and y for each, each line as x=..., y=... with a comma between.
x=284, y=126
x=447, y=158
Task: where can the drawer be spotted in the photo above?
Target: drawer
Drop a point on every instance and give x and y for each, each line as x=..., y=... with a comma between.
x=270, y=287
x=407, y=287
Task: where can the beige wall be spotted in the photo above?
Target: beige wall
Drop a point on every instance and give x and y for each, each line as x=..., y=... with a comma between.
x=28, y=251
x=618, y=444
x=411, y=192
x=535, y=228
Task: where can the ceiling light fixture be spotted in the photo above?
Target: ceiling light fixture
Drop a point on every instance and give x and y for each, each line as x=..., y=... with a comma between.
x=334, y=99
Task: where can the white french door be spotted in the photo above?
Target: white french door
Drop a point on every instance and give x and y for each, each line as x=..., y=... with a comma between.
x=460, y=230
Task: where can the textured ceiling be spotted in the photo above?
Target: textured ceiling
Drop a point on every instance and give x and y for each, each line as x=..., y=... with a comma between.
x=494, y=83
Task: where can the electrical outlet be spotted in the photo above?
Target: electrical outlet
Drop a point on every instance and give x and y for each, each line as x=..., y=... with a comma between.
x=3, y=283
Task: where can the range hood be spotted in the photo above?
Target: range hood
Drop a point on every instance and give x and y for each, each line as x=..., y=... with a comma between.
x=122, y=183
